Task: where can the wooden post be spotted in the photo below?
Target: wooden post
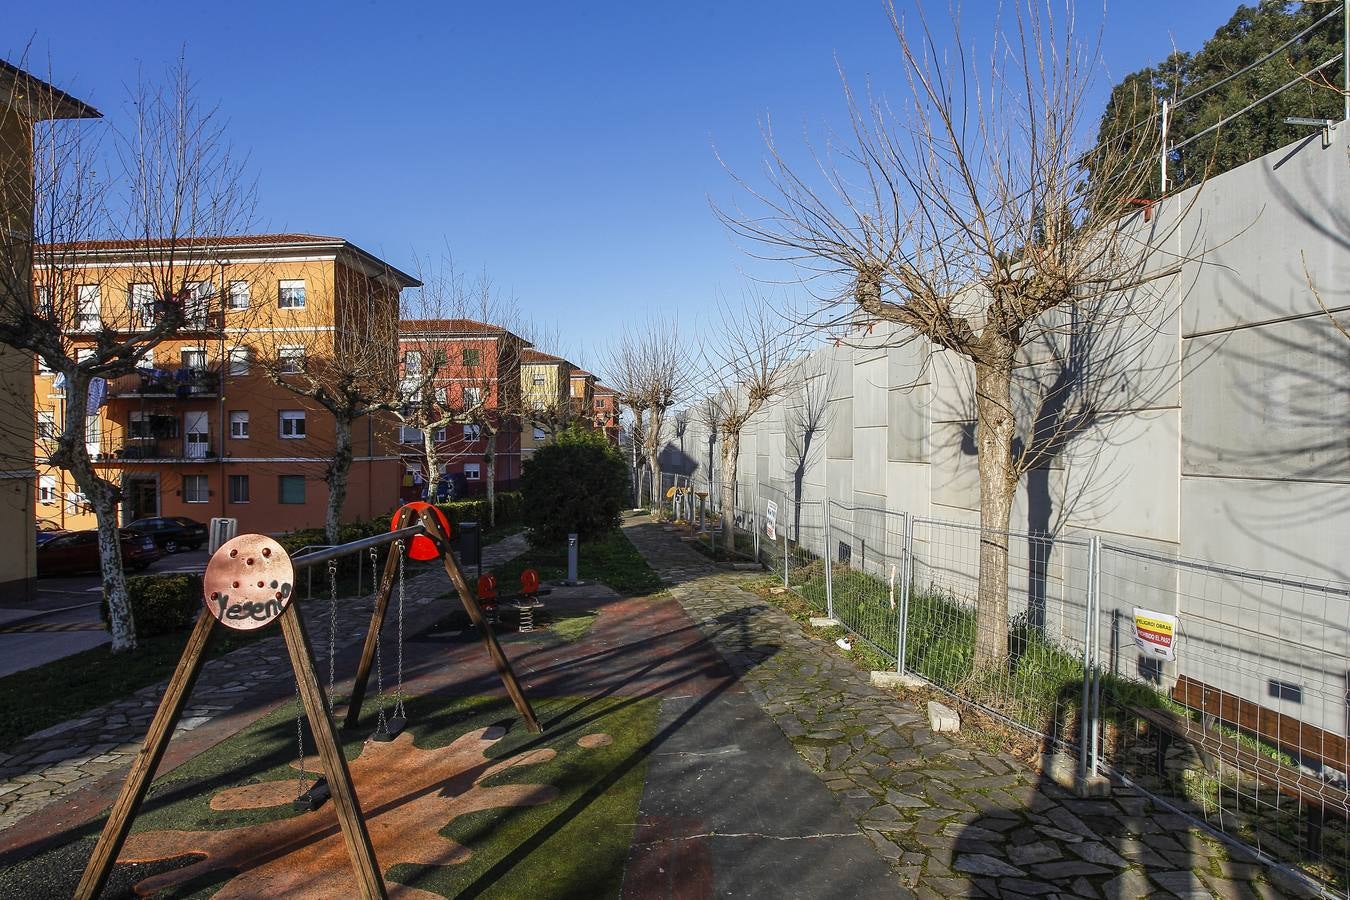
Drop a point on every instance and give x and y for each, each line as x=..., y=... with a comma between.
x=470, y=601
x=147, y=760
x=368, y=875
x=362, y=681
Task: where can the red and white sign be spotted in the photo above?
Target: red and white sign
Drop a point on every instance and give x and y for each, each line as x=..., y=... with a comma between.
x=1155, y=634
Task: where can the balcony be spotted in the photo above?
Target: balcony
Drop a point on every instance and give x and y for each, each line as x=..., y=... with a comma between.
x=183, y=382
x=162, y=449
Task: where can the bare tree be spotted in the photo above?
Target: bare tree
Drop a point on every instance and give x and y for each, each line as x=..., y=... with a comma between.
x=968, y=215
x=349, y=371
x=168, y=188
x=650, y=368
x=749, y=365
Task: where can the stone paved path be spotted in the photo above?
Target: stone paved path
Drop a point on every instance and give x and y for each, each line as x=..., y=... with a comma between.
x=63, y=759
x=953, y=819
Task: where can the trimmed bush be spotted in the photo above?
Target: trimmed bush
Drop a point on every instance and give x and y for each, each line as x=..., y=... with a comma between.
x=577, y=484
x=162, y=604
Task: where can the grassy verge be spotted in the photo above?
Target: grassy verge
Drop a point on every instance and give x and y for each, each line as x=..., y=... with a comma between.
x=63, y=689
x=611, y=560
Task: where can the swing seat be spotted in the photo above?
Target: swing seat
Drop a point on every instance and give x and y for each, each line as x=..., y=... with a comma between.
x=313, y=798
x=392, y=727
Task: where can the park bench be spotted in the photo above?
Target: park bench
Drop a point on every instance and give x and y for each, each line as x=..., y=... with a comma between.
x=1300, y=738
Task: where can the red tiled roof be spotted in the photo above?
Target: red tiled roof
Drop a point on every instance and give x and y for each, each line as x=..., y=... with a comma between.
x=227, y=240
x=448, y=326
x=601, y=389
x=539, y=356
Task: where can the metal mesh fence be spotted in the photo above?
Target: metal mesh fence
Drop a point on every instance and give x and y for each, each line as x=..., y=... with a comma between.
x=1025, y=665
x=1226, y=692
x=866, y=552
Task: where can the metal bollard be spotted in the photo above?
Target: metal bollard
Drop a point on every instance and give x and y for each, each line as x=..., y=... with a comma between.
x=572, y=560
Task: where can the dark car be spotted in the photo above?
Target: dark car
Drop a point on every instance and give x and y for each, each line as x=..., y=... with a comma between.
x=171, y=533
x=70, y=552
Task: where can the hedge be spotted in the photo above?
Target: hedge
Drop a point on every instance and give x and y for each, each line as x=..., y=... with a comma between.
x=162, y=604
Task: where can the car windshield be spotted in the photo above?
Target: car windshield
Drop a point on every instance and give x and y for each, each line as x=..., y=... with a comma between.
x=181, y=520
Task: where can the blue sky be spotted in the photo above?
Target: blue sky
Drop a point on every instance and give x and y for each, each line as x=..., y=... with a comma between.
x=568, y=150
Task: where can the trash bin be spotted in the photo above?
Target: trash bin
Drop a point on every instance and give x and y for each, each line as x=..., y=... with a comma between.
x=470, y=545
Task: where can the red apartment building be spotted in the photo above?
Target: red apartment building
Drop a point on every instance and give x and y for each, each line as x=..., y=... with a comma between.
x=473, y=371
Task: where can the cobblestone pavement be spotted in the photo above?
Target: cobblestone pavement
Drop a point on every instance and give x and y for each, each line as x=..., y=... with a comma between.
x=952, y=818
x=62, y=759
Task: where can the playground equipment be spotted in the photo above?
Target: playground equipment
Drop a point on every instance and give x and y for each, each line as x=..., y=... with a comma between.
x=249, y=582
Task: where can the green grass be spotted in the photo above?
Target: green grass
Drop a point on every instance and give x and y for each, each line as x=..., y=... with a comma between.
x=573, y=846
x=710, y=545
x=53, y=692
x=611, y=560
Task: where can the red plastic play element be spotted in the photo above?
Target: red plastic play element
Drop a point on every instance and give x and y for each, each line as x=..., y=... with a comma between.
x=422, y=548
x=487, y=586
x=529, y=582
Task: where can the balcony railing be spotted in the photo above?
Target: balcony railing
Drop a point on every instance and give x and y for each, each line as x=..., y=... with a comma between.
x=183, y=382
x=154, y=448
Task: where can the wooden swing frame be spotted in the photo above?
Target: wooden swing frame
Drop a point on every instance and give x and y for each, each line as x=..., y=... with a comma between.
x=355, y=835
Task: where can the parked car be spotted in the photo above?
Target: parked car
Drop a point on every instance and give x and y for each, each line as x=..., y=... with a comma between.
x=71, y=552
x=171, y=533
x=48, y=525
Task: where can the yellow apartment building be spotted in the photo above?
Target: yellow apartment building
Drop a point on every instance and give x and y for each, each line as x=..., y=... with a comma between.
x=200, y=430
x=24, y=100
x=545, y=390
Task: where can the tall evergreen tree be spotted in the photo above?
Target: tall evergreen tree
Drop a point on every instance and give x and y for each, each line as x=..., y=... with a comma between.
x=1195, y=86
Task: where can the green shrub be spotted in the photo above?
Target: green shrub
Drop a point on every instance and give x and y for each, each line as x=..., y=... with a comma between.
x=162, y=604
x=577, y=484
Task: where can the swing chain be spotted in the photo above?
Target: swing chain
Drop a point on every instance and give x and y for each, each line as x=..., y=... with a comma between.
x=332, y=629
x=382, y=725
x=300, y=738
x=398, y=692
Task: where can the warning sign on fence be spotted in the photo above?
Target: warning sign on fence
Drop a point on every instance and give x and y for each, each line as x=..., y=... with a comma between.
x=1155, y=633
x=771, y=519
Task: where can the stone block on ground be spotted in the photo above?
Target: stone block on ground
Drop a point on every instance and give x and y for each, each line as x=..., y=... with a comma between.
x=902, y=680
x=823, y=622
x=942, y=717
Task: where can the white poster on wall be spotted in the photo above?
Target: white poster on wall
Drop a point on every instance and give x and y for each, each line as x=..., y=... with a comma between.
x=771, y=519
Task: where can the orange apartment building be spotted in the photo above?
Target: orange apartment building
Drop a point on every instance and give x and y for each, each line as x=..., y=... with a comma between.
x=199, y=430
x=473, y=368
x=24, y=101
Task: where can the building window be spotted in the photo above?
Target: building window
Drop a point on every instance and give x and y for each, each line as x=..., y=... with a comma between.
x=471, y=471
x=292, y=424
x=472, y=356
x=142, y=300
x=472, y=397
x=539, y=380
x=42, y=302
x=238, y=488
x=438, y=435
x=290, y=360
x=412, y=362
x=599, y=404
x=409, y=435
x=290, y=489
x=239, y=424
x=291, y=295
x=539, y=433
x=46, y=426
x=198, y=303
x=43, y=368
x=239, y=360
x=195, y=489
x=472, y=432
x=89, y=311
x=194, y=359
x=47, y=490
x=239, y=298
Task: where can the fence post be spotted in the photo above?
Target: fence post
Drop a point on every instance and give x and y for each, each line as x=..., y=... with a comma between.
x=906, y=555
x=1095, y=579
x=1084, y=728
x=828, y=556
x=785, y=560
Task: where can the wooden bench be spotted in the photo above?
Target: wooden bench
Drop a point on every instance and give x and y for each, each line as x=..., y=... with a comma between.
x=1286, y=732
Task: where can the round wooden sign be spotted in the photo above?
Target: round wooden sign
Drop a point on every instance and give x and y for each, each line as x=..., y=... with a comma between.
x=248, y=582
